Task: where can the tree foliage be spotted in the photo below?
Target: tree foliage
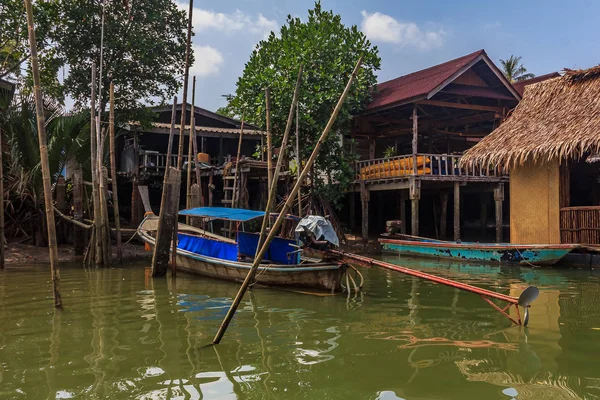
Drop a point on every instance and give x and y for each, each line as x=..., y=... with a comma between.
x=514, y=70
x=328, y=50
x=144, y=47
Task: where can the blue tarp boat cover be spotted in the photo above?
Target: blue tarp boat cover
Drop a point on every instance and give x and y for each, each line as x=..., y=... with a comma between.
x=277, y=252
x=208, y=247
x=229, y=214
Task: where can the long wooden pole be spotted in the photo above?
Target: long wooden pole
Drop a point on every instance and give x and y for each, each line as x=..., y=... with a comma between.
x=94, y=156
x=186, y=77
x=286, y=206
x=298, y=165
x=113, y=172
x=269, y=144
x=41, y=127
x=1, y=205
x=237, y=166
x=275, y=178
x=188, y=187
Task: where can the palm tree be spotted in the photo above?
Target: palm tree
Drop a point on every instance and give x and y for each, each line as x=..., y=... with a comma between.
x=514, y=70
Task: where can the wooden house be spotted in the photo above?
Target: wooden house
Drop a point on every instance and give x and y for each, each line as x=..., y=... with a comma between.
x=142, y=151
x=550, y=145
x=410, y=139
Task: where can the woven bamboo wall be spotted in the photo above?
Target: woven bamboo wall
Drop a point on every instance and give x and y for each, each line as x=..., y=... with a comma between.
x=534, y=203
x=580, y=225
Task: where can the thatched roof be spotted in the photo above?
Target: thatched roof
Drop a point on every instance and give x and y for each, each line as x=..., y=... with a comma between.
x=557, y=118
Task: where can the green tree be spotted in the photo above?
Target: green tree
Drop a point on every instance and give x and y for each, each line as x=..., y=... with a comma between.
x=514, y=70
x=329, y=51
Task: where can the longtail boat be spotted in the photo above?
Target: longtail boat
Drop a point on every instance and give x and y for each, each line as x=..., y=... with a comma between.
x=203, y=252
x=524, y=254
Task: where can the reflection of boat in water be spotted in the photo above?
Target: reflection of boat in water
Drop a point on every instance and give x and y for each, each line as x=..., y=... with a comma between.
x=205, y=253
x=505, y=253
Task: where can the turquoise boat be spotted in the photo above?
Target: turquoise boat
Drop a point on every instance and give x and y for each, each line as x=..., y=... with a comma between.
x=524, y=254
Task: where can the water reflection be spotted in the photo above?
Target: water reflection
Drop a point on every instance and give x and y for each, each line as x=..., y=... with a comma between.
x=124, y=335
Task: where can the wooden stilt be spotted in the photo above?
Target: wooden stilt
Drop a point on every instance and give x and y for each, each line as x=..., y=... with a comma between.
x=280, y=218
x=456, y=211
x=364, y=200
x=166, y=221
x=415, y=138
x=41, y=127
x=444, y=214
x=403, y=212
x=188, y=187
x=483, y=213
x=135, y=194
x=352, y=219
x=113, y=172
x=415, y=196
x=80, y=234
x=211, y=187
x=498, y=200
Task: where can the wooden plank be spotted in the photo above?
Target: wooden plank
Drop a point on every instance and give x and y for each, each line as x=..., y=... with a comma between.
x=462, y=106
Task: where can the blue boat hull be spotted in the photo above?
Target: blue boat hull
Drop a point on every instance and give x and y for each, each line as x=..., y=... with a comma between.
x=500, y=253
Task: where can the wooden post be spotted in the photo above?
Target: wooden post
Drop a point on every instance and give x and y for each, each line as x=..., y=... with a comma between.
x=272, y=190
x=135, y=194
x=365, y=196
x=41, y=127
x=298, y=163
x=80, y=234
x=415, y=196
x=371, y=149
x=269, y=144
x=2, y=240
x=284, y=210
x=483, y=214
x=444, y=214
x=113, y=172
x=97, y=245
x=234, y=196
x=415, y=138
x=211, y=187
x=498, y=200
x=61, y=205
x=186, y=77
x=456, y=211
x=166, y=222
x=352, y=210
x=403, y=212
x=160, y=257
x=188, y=187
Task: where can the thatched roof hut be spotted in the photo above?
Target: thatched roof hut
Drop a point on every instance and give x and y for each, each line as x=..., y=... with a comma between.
x=556, y=119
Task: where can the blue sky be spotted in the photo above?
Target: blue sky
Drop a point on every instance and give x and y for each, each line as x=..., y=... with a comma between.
x=411, y=35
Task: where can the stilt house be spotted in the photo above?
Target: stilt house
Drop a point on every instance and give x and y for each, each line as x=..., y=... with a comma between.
x=550, y=145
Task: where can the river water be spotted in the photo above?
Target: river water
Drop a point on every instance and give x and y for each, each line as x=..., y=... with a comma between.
x=123, y=335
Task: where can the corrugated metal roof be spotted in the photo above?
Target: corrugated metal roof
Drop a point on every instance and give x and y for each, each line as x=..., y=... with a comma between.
x=520, y=86
x=211, y=129
x=419, y=83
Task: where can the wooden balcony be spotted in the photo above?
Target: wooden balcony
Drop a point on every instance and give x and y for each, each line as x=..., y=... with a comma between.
x=424, y=166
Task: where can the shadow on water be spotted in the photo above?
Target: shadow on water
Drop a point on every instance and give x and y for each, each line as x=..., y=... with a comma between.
x=125, y=335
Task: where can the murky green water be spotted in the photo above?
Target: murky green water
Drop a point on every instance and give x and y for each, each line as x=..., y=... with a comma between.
x=123, y=336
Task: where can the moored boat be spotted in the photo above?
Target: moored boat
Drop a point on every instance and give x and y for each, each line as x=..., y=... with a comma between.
x=205, y=253
x=524, y=254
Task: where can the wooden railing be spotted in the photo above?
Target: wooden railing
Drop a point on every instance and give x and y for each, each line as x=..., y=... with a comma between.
x=580, y=225
x=153, y=161
x=432, y=165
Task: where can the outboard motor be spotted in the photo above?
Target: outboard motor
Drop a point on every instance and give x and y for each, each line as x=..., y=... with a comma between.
x=316, y=232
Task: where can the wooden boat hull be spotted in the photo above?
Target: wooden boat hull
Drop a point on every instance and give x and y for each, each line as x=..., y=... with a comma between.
x=316, y=275
x=476, y=252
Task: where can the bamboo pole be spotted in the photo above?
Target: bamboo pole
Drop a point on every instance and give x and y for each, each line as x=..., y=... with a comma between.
x=113, y=172
x=269, y=144
x=41, y=127
x=97, y=244
x=236, y=173
x=186, y=77
x=298, y=165
x=1, y=205
x=102, y=221
x=272, y=190
x=188, y=187
x=286, y=206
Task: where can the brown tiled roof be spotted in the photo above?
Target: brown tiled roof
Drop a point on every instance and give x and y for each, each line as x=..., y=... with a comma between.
x=419, y=83
x=520, y=86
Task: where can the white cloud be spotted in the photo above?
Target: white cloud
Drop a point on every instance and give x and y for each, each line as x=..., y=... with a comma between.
x=207, y=61
x=384, y=28
x=490, y=26
x=238, y=21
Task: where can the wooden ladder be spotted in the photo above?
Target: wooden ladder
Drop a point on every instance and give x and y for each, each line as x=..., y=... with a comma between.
x=229, y=195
